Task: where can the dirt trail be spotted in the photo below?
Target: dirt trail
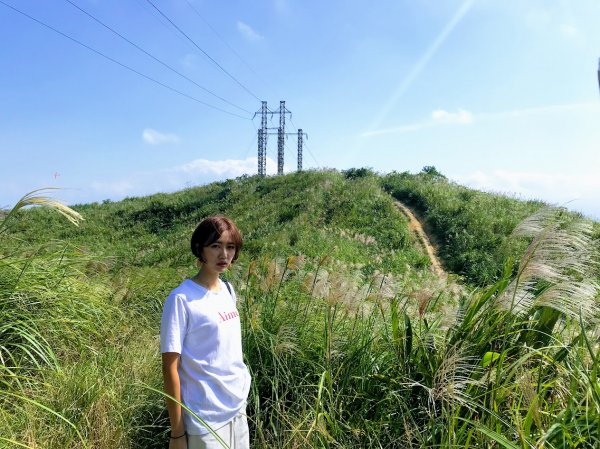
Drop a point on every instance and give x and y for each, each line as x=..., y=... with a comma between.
x=416, y=227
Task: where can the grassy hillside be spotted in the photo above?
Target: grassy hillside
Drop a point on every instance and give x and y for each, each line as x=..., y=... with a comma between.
x=350, y=340
x=471, y=228
x=313, y=213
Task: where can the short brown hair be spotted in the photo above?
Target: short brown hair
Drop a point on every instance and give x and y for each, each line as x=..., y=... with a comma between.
x=209, y=231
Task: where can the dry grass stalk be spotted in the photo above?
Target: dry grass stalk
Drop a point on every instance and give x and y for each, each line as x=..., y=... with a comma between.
x=37, y=198
x=562, y=255
x=453, y=376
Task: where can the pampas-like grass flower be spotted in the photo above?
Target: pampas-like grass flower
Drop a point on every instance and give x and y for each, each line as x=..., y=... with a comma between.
x=38, y=198
x=452, y=377
x=556, y=269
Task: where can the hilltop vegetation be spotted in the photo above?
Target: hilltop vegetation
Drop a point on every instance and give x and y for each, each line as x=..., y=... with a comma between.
x=351, y=341
x=472, y=228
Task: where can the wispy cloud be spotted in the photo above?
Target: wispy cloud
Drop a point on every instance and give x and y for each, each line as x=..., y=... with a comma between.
x=154, y=137
x=554, y=18
x=196, y=172
x=463, y=117
x=416, y=70
x=248, y=32
x=570, y=31
x=575, y=191
x=438, y=117
x=229, y=168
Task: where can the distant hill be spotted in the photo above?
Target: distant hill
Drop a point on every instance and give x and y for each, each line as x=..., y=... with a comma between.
x=310, y=213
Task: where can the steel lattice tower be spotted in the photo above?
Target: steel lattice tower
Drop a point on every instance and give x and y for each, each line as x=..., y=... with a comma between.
x=300, y=150
x=262, y=141
x=263, y=133
x=281, y=138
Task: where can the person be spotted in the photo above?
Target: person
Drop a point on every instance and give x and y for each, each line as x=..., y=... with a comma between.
x=201, y=346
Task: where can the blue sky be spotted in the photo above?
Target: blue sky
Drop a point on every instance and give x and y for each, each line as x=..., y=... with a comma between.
x=498, y=95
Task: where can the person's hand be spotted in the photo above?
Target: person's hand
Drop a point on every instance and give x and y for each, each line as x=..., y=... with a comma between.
x=178, y=443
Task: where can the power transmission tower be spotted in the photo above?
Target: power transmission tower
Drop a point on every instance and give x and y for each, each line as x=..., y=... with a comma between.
x=263, y=132
x=281, y=137
x=300, y=137
x=262, y=141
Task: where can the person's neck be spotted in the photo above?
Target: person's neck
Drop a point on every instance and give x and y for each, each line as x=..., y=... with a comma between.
x=208, y=280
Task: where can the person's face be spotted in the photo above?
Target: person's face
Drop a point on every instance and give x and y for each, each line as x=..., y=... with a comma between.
x=218, y=255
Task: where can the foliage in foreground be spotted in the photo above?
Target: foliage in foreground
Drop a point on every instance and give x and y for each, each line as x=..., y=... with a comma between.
x=346, y=350
x=79, y=319
x=515, y=367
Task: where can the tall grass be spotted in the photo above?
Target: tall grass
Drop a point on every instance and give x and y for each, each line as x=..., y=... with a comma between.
x=334, y=374
x=350, y=340
x=471, y=228
x=67, y=351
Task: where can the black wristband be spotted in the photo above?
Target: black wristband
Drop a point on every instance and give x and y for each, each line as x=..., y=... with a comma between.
x=180, y=436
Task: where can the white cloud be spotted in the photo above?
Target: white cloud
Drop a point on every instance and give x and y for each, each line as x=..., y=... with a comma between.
x=577, y=192
x=154, y=137
x=196, y=172
x=463, y=117
x=571, y=33
x=248, y=32
x=540, y=110
x=422, y=62
x=229, y=168
x=438, y=117
x=460, y=117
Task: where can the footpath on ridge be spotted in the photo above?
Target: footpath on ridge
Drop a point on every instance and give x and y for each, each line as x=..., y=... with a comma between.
x=416, y=227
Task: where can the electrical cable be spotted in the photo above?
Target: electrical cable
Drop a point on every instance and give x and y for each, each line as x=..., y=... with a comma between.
x=155, y=58
x=205, y=54
x=254, y=138
x=287, y=149
x=304, y=141
x=292, y=122
x=120, y=63
x=312, y=155
x=223, y=40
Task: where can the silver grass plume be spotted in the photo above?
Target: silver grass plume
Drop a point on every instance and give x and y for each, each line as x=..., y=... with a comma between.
x=562, y=255
x=38, y=198
x=452, y=377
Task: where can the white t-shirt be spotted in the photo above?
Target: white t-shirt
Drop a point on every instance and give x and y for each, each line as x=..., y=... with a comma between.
x=204, y=327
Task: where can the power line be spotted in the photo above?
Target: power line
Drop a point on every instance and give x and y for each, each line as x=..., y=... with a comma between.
x=159, y=19
x=223, y=40
x=312, y=155
x=205, y=54
x=153, y=57
x=250, y=146
x=120, y=63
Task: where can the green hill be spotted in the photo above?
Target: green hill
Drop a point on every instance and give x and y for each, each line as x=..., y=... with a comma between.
x=351, y=341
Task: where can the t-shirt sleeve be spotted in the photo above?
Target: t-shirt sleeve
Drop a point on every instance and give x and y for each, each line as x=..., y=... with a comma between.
x=173, y=324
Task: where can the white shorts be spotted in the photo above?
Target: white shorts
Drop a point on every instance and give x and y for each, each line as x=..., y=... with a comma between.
x=235, y=435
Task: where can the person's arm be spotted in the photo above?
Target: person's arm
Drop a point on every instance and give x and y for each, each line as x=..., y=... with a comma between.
x=172, y=386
